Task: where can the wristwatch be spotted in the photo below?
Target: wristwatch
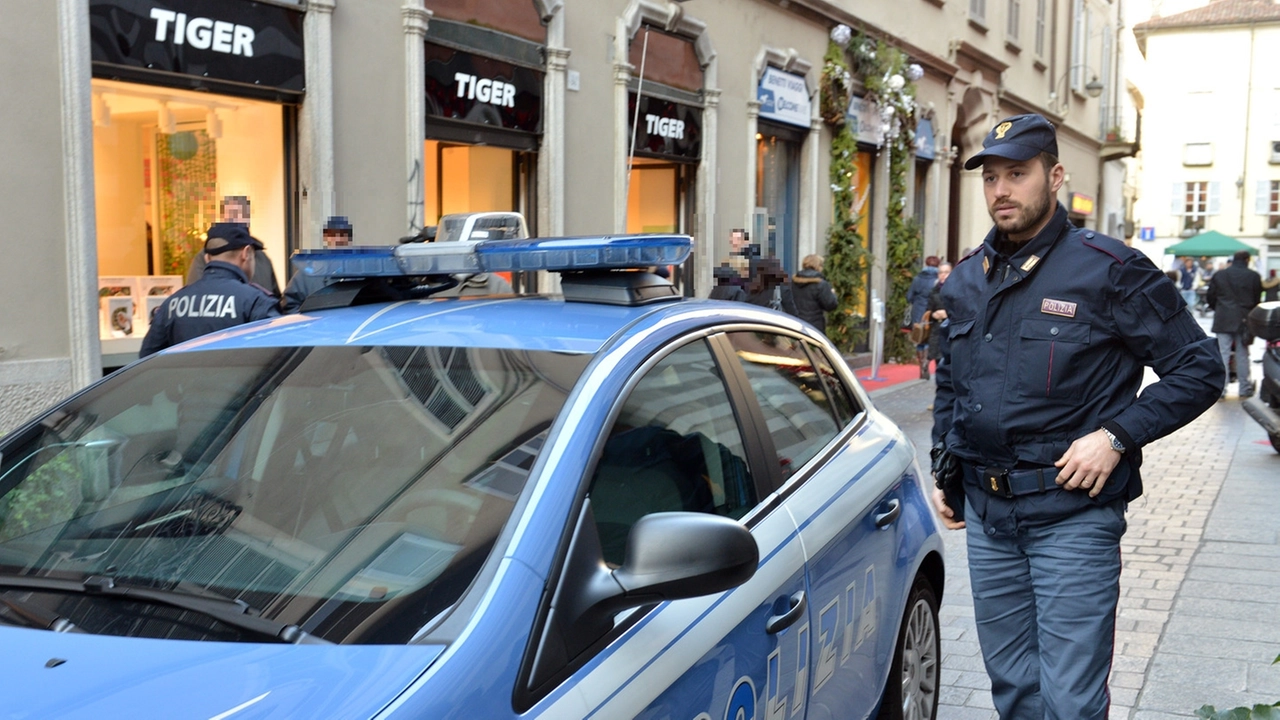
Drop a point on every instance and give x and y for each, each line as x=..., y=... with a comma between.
x=1115, y=441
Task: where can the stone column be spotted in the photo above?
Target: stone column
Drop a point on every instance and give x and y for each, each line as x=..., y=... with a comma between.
x=78, y=192
x=622, y=139
x=416, y=17
x=551, y=156
x=810, y=162
x=315, y=126
x=704, y=230
x=753, y=128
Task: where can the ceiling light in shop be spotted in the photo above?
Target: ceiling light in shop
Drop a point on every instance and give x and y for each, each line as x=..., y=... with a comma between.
x=165, y=120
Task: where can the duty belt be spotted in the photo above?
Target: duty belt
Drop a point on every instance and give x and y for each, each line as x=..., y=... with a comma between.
x=1012, y=483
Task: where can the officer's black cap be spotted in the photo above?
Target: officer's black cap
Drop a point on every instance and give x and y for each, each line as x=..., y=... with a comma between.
x=225, y=237
x=1020, y=137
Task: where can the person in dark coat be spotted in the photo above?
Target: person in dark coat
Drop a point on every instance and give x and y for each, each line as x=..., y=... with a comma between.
x=937, y=314
x=918, y=298
x=222, y=298
x=1271, y=287
x=235, y=209
x=1233, y=292
x=727, y=285
x=337, y=233
x=812, y=293
x=768, y=286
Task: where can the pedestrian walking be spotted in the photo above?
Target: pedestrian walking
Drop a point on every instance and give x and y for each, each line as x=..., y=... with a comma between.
x=235, y=209
x=1233, y=292
x=1188, y=274
x=813, y=295
x=728, y=284
x=337, y=233
x=222, y=298
x=1271, y=287
x=1050, y=327
x=936, y=314
x=918, y=299
x=768, y=286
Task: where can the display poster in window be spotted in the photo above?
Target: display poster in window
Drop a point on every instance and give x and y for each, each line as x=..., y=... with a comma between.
x=252, y=44
x=664, y=128
x=479, y=90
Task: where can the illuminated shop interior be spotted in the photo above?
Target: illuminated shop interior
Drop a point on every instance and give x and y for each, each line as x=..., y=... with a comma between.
x=163, y=160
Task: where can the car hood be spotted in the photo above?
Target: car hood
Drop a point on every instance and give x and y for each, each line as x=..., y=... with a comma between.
x=69, y=675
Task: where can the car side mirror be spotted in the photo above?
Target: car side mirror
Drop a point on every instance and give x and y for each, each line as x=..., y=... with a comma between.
x=669, y=556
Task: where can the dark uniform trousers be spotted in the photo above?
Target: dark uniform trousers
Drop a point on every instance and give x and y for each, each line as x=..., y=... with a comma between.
x=1043, y=347
x=222, y=298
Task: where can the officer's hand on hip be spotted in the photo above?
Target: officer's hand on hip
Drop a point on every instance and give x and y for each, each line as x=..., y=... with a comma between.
x=1087, y=463
x=944, y=511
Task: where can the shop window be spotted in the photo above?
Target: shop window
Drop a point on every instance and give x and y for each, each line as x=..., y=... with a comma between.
x=166, y=164
x=469, y=178
x=653, y=200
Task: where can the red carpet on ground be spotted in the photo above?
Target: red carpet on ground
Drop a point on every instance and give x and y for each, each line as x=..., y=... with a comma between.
x=888, y=374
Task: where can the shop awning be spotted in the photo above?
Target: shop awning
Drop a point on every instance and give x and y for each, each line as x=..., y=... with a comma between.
x=1212, y=243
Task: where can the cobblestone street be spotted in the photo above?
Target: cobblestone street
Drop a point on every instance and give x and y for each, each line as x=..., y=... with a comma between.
x=1200, y=588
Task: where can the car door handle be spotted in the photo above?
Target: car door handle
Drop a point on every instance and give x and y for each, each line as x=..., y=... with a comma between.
x=888, y=516
x=778, y=623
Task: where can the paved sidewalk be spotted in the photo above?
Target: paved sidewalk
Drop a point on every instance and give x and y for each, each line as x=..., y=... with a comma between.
x=1199, y=615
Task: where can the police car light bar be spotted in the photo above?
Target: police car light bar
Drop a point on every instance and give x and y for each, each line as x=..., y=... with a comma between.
x=567, y=254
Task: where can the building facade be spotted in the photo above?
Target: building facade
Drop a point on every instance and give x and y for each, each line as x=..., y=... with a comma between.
x=1211, y=158
x=699, y=117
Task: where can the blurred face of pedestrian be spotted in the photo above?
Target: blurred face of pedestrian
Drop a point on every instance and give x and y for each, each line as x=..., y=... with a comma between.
x=1020, y=195
x=235, y=212
x=943, y=271
x=337, y=238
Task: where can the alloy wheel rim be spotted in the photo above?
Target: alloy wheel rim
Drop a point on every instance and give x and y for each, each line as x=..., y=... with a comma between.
x=919, y=663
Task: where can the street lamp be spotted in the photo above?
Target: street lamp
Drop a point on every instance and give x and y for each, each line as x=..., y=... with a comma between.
x=1093, y=88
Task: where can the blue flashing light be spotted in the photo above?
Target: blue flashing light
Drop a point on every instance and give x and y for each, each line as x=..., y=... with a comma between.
x=565, y=254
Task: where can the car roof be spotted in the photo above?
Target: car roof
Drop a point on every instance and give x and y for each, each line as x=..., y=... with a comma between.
x=527, y=323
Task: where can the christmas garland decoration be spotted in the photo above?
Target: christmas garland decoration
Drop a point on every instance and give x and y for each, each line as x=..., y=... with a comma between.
x=889, y=78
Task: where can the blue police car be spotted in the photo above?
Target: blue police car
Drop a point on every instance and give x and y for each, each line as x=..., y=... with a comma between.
x=613, y=503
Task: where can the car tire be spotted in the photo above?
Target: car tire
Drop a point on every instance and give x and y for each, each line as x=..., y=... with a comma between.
x=1275, y=442
x=912, y=690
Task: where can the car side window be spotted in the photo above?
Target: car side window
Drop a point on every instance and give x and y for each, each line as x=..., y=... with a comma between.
x=841, y=398
x=794, y=399
x=675, y=446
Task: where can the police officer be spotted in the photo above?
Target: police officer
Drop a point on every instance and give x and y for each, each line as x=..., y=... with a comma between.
x=221, y=298
x=1050, y=328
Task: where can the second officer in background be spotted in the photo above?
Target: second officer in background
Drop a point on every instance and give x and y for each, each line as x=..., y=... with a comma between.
x=222, y=298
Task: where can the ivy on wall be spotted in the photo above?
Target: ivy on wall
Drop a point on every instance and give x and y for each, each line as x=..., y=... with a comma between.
x=889, y=78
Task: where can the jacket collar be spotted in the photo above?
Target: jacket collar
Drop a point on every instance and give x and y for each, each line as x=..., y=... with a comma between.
x=1025, y=259
x=225, y=268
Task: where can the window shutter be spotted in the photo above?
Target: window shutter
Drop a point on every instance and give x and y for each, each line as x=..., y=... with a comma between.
x=1178, y=202
x=1214, y=200
x=1262, y=200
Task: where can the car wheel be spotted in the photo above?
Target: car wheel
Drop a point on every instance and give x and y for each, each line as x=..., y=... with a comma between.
x=912, y=690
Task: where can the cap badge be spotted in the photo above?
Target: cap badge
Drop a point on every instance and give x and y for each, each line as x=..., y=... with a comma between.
x=1058, y=307
x=1002, y=128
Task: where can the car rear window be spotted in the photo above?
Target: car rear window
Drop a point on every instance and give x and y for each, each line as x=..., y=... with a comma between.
x=353, y=491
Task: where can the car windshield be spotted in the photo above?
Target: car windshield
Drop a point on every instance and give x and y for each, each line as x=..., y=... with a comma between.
x=352, y=491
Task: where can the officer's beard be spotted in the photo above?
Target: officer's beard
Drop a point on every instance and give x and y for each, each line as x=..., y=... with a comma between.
x=1030, y=217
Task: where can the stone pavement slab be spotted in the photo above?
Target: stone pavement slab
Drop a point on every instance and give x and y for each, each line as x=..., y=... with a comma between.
x=1200, y=586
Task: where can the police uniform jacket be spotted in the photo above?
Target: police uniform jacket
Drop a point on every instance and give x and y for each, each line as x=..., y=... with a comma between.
x=1048, y=345
x=220, y=299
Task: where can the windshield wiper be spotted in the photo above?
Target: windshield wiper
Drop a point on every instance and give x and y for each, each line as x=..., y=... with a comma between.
x=33, y=616
x=235, y=613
